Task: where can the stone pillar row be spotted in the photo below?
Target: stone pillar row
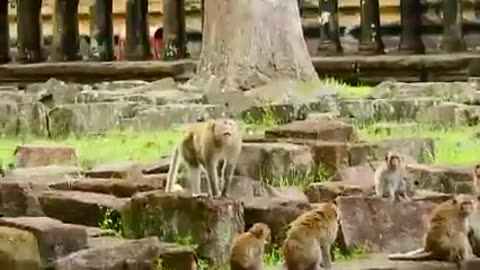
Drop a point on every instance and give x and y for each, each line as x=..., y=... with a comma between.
x=65, y=43
x=370, y=39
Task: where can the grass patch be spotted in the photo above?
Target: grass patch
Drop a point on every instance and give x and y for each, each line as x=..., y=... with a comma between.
x=348, y=91
x=454, y=145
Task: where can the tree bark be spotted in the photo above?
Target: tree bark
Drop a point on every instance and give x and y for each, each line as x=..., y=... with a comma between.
x=4, y=33
x=247, y=43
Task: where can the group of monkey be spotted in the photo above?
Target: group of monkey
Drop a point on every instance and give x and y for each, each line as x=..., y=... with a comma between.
x=310, y=236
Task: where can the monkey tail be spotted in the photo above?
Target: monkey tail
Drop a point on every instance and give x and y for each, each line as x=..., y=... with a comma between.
x=172, y=170
x=415, y=255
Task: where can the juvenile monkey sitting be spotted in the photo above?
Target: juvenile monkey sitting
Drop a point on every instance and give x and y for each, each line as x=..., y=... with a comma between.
x=390, y=178
x=248, y=248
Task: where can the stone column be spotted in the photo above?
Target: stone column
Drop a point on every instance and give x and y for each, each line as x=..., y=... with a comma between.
x=174, y=31
x=29, y=31
x=329, y=29
x=370, y=33
x=4, y=33
x=101, y=31
x=202, y=8
x=138, y=33
x=66, y=41
x=411, y=21
x=452, y=26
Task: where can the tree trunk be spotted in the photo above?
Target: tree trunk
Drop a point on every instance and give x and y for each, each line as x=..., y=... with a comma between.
x=247, y=43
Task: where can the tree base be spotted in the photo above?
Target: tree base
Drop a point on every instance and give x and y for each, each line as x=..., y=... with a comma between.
x=249, y=43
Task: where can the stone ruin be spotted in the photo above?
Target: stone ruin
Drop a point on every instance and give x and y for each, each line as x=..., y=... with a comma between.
x=54, y=208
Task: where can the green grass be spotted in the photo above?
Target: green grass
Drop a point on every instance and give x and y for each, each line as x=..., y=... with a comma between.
x=347, y=91
x=454, y=145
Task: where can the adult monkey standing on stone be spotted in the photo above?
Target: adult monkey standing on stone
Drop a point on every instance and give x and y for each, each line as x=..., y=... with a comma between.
x=204, y=145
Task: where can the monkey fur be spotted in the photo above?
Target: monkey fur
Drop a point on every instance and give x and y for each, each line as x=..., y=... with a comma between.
x=447, y=233
x=248, y=248
x=476, y=180
x=310, y=238
x=390, y=179
x=203, y=146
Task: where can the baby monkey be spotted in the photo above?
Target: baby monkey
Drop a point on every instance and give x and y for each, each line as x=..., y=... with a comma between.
x=203, y=146
x=248, y=248
x=390, y=179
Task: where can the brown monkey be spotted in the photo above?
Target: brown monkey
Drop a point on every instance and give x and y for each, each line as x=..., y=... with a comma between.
x=204, y=145
x=390, y=179
x=311, y=235
x=248, y=248
x=447, y=233
x=476, y=179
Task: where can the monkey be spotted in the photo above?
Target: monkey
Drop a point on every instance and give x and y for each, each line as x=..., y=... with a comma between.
x=447, y=233
x=248, y=248
x=476, y=179
x=390, y=181
x=310, y=238
x=202, y=147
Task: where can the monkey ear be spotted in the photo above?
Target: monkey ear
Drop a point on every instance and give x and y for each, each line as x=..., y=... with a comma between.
x=387, y=155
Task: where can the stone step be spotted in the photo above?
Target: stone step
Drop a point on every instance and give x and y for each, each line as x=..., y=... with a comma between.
x=78, y=207
x=116, y=187
x=209, y=223
x=134, y=254
x=55, y=238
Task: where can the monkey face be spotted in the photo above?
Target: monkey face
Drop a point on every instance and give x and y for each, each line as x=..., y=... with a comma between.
x=476, y=172
x=466, y=204
x=393, y=161
x=224, y=128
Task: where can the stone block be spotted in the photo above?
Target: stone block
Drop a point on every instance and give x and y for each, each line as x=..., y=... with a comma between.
x=209, y=223
x=55, y=238
x=78, y=207
x=383, y=226
x=329, y=191
x=44, y=155
x=116, y=187
x=18, y=250
x=20, y=199
x=122, y=170
x=325, y=130
x=445, y=179
x=131, y=254
x=272, y=161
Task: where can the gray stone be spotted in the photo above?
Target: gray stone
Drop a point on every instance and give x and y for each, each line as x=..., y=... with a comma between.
x=9, y=117
x=212, y=223
x=18, y=250
x=78, y=207
x=275, y=161
x=55, y=239
x=82, y=118
x=382, y=225
x=33, y=119
x=132, y=254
